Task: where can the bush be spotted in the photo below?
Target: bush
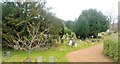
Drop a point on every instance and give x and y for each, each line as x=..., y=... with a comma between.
x=67, y=31
x=111, y=49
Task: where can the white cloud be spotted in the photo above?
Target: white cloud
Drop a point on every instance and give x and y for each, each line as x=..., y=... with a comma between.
x=71, y=9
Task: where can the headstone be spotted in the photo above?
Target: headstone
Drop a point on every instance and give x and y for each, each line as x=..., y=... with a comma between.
x=8, y=54
x=67, y=38
x=61, y=49
x=51, y=59
x=70, y=43
x=45, y=35
x=92, y=43
x=39, y=59
x=79, y=41
x=16, y=47
x=108, y=31
x=75, y=44
x=27, y=60
x=92, y=36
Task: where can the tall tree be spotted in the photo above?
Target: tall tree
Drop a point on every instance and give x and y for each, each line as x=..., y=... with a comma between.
x=18, y=16
x=82, y=27
x=91, y=22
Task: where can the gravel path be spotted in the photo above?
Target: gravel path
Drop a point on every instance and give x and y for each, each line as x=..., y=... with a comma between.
x=91, y=54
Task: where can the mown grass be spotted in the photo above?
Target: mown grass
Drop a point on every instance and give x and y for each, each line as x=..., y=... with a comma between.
x=59, y=55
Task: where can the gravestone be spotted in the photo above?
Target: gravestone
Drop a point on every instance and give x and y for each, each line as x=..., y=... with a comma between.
x=27, y=60
x=8, y=54
x=51, y=59
x=46, y=35
x=67, y=38
x=79, y=41
x=75, y=44
x=16, y=47
x=70, y=42
x=39, y=59
x=92, y=43
x=92, y=36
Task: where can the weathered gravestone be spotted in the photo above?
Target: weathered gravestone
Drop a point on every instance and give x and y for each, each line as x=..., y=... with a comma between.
x=75, y=44
x=79, y=41
x=70, y=42
x=8, y=54
x=51, y=59
x=27, y=60
x=39, y=59
x=16, y=47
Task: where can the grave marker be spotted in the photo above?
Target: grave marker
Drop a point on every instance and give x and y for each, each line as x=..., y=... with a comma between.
x=51, y=59
x=39, y=59
x=79, y=41
x=8, y=54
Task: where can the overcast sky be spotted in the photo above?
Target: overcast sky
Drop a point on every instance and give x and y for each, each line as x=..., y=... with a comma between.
x=71, y=9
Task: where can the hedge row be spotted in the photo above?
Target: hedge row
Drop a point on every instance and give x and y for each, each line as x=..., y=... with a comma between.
x=111, y=49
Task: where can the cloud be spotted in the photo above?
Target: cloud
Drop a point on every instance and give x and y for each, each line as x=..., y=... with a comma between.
x=71, y=9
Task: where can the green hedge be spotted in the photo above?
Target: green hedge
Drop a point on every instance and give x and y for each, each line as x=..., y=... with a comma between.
x=111, y=49
x=67, y=30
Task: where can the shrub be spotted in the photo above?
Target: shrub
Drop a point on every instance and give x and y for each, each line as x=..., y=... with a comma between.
x=67, y=30
x=111, y=49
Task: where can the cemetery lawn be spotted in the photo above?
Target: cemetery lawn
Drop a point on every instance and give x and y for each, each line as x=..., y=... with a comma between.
x=59, y=55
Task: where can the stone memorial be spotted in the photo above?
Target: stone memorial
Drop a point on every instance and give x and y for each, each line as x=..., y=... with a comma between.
x=39, y=59
x=79, y=41
x=51, y=59
x=70, y=43
x=27, y=60
x=75, y=44
x=16, y=47
x=8, y=54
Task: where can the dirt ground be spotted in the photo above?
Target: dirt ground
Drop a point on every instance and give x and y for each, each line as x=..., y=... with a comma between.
x=91, y=54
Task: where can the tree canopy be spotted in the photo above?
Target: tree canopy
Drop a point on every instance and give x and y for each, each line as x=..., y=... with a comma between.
x=91, y=22
x=29, y=24
x=23, y=21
